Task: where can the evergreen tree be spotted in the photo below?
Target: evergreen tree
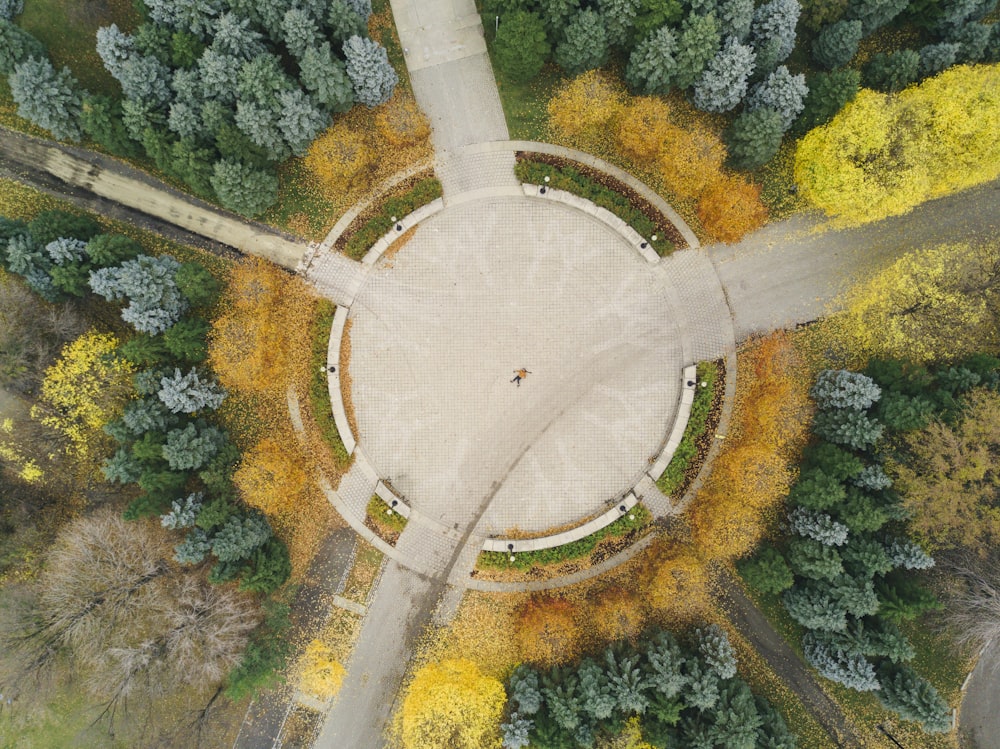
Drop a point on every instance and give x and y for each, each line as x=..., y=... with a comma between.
x=697, y=42
x=873, y=477
x=773, y=733
x=16, y=46
x=626, y=681
x=848, y=427
x=556, y=15
x=148, y=415
x=219, y=75
x=144, y=350
x=937, y=57
x=182, y=512
x=193, y=164
x=735, y=17
x=196, y=284
x=908, y=555
x=814, y=608
x=828, y=94
x=856, y=595
x=244, y=189
x=122, y=467
x=188, y=393
x=301, y=121
x=892, y=72
x=10, y=8
x=269, y=567
x=186, y=340
x=584, y=45
x=148, y=283
x=260, y=124
x=596, y=697
x=884, y=640
x=524, y=690
x=754, y=137
x=852, y=670
x=48, y=226
x=723, y=84
x=865, y=557
x=874, y=14
x=325, y=77
x=836, y=44
x=908, y=694
x=781, y=91
x=101, y=118
x=973, y=40
x=715, y=650
x=841, y=388
x=239, y=536
x=702, y=691
x=666, y=664
x=652, y=64
x=514, y=733
x=369, y=70
x=619, y=19
x=344, y=22
x=863, y=512
x=144, y=78
x=834, y=462
x=235, y=36
x=192, y=446
x=194, y=548
x=26, y=258
x=46, y=97
x=521, y=46
x=735, y=720
x=818, y=526
x=772, y=32
x=817, y=561
x=903, y=599
x=768, y=571
x=300, y=31
x=114, y=47
x=562, y=700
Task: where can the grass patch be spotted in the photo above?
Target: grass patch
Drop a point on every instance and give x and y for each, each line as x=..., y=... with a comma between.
x=364, y=572
x=301, y=209
x=370, y=226
x=624, y=528
x=525, y=103
x=319, y=391
x=534, y=171
x=385, y=521
x=687, y=451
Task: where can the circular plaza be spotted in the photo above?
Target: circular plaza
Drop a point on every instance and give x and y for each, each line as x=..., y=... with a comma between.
x=494, y=285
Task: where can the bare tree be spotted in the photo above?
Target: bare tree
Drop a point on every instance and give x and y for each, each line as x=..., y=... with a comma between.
x=972, y=601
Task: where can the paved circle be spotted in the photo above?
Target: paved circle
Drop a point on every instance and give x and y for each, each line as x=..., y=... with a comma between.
x=482, y=289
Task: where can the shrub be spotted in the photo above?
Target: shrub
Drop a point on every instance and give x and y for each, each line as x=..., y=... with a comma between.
x=754, y=137
x=643, y=127
x=340, y=157
x=521, y=47
x=731, y=208
x=588, y=106
x=401, y=123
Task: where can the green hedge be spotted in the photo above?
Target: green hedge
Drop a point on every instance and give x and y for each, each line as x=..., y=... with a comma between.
x=524, y=560
x=687, y=451
x=319, y=391
x=419, y=195
x=569, y=179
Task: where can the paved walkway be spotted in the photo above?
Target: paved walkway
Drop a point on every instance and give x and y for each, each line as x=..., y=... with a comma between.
x=979, y=715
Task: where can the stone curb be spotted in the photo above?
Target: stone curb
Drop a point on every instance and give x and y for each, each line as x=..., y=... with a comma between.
x=333, y=383
x=680, y=423
x=402, y=226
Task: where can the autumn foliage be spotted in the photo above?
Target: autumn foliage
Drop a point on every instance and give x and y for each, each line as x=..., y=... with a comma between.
x=690, y=160
x=617, y=613
x=547, y=630
x=731, y=208
x=883, y=154
x=272, y=477
x=644, y=127
x=321, y=673
x=677, y=580
x=452, y=705
x=589, y=106
x=753, y=472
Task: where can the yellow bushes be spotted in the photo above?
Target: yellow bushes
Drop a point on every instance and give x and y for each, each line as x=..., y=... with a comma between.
x=85, y=389
x=644, y=127
x=321, y=674
x=272, y=476
x=731, y=208
x=690, y=160
x=452, y=705
x=884, y=154
x=365, y=146
x=587, y=107
x=617, y=614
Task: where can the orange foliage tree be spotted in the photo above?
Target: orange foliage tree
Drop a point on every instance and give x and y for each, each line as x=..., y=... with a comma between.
x=587, y=107
x=272, y=477
x=731, y=208
x=260, y=343
x=617, y=614
x=753, y=472
x=547, y=631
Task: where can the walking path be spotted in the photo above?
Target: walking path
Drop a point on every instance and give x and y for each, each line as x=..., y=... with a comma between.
x=979, y=714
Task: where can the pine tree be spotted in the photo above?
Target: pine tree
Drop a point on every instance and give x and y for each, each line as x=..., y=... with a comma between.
x=833, y=461
x=768, y=571
x=818, y=526
x=908, y=555
x=619, y=19
x=16, y=46
x=268, y=569
x=239, y=536
x=865, y=557
x=908, y=694
x=903, y=599
x=597, y=700
x=773, y=32
x=584, y=45
x=841, y=388
x=48, y=98
x=192, y=446
x=874, y=14
x=112, y=249
x=344, y=22
x=514, y=733
x=114, y=47
x=369, y=70
x=873, y=477
x=521, y=46
x=524, y=690
x=243, y=188
x=626, y=681
x=301, y=121
x=814, y=608
x=652, y=64
x=754, y=137
x=852, y=670
x=122, y=467
x=723, y=84
x=893, y=71
x=836, y=44
x=186, y=340
x=848, y=427
x=194, y=548
x=810, y=558
x=828, y=94
x=702, y=691
x=182, y=512
x=735, y=17
x=781, y=91
x=188, y=393
x=697, y=42
x=715, y=650
x=325, y=77
x=817, y=490
x=149, y=284
x=666, y=664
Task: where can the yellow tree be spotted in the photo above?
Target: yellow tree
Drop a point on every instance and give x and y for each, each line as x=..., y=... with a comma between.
x=587, y=108
x=883, y=154
x=452, y=705
x=321, y=673
x=341, y=158
x=272, y=477
x=400, y=122
x=950, y=483
x=942, y=302
x=84, y=390
x=731, y=208
x=690, y=160
x=643, y=127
